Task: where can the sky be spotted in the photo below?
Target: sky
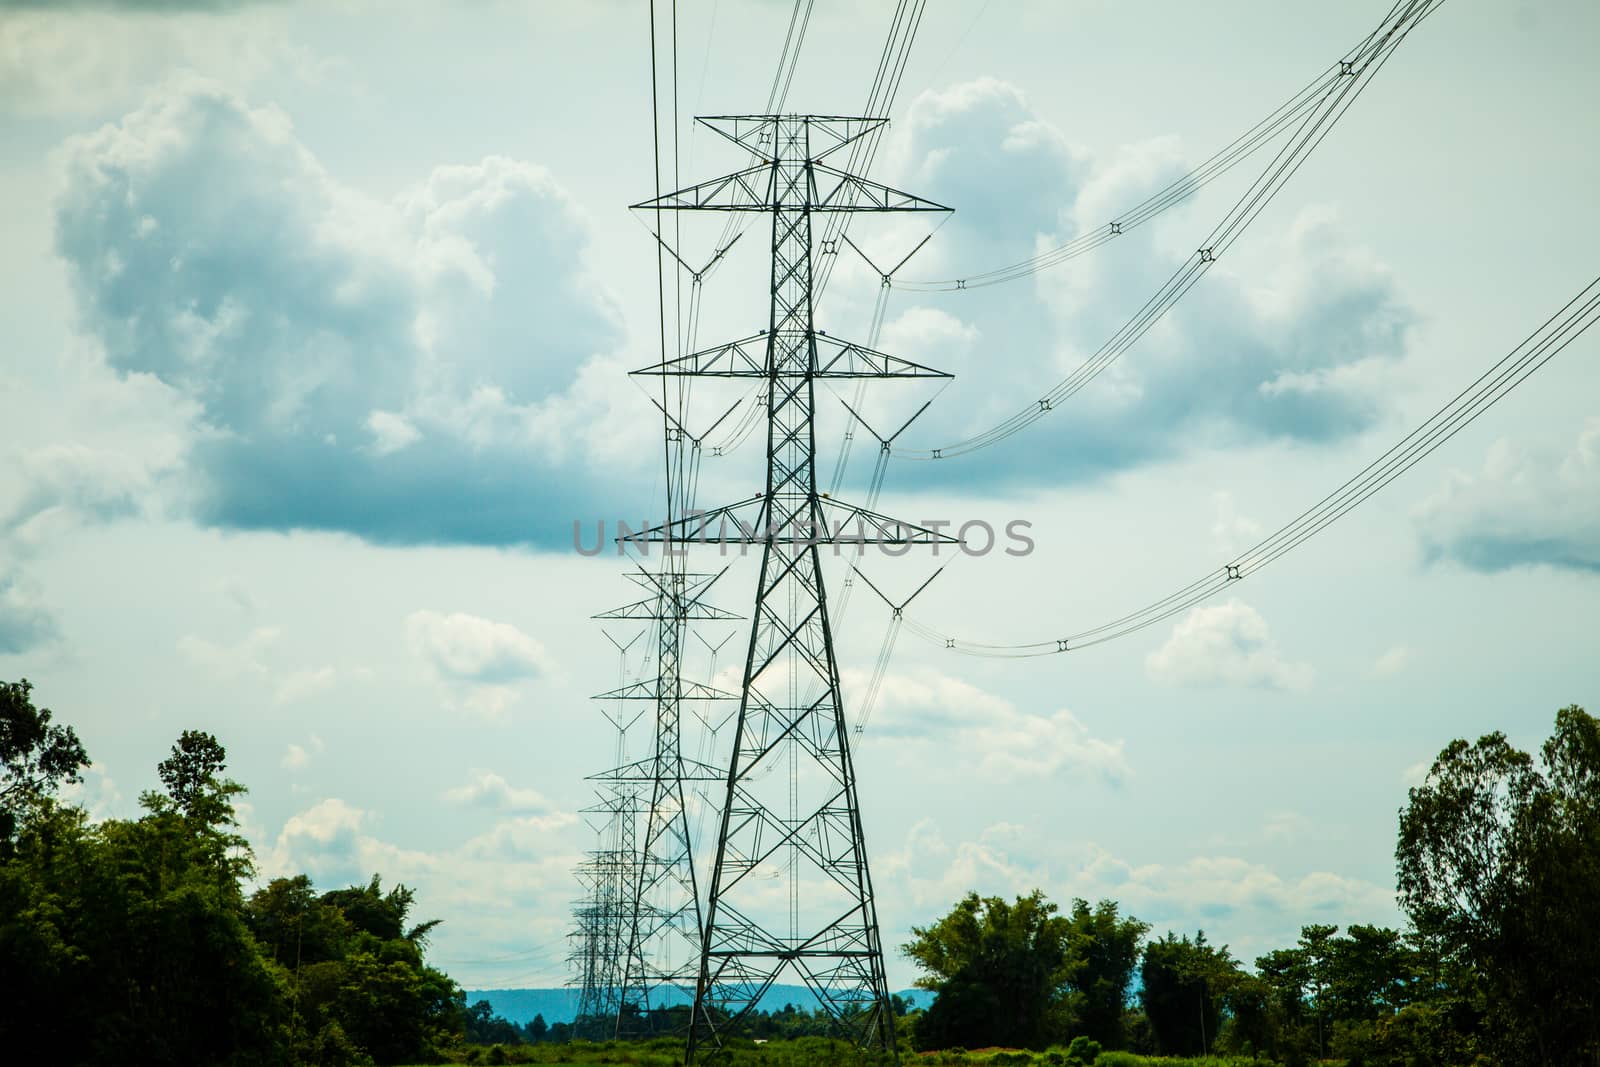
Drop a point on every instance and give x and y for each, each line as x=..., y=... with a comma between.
x=319, y=318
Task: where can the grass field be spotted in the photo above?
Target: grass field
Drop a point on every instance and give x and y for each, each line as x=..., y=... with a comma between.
x=806, y=1052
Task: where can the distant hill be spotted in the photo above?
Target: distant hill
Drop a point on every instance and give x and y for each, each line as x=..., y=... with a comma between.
x=560, y=1005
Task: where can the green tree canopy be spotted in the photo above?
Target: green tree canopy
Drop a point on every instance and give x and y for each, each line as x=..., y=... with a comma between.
x=35, y=757
x=1182, y=984
x=1499, y=863
x=998, y=969
x=1103, y=950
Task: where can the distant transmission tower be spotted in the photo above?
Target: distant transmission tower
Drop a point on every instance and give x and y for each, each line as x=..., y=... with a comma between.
x=790, y=891
x=661, y=928
x=599, y=918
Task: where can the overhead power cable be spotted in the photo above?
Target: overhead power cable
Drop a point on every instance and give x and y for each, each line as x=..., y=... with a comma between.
x=880, y=102
x=1225, y=159
x=1537, y=349
x=1356, y=73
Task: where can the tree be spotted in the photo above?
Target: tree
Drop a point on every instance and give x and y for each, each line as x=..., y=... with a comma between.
x=198, y=795
x=1498, y=858
x=36, y=758
x=1315, y=950
x=1103, y=950
x=193, y=778
x=1181, y=987
x=998, y=970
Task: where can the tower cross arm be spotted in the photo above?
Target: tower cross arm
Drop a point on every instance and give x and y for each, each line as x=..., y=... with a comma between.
x=836, y=190
x=748, y=358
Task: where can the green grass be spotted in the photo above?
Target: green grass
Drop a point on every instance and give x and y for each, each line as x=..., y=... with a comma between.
x=817, y=1052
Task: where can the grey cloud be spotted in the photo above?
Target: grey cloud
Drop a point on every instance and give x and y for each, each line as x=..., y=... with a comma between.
x=1521, y=509
x=408, y=373
x=1302, y=354
x=25, y=624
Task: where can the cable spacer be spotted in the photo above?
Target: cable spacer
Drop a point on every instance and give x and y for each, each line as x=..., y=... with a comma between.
x=949, y=642
x=1116, y=228
x=1061, y=645
x=1207, y=256
x=1346, y=67
x=961, y=283
x=1233, y=572
x=1044, y=403
x=937, y=453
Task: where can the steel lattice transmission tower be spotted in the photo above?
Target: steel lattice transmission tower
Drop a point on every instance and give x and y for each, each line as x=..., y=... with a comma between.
x=659, y=947
x=791, y=813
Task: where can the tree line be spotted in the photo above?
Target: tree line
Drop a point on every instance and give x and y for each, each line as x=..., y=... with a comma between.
x=134, y=941
x=1498, y=873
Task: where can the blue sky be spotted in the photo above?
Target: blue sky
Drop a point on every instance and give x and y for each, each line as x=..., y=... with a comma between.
x=318, y=322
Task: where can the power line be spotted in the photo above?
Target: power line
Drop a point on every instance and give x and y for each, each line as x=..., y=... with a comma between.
x=1354, y=77
x=1510, y=371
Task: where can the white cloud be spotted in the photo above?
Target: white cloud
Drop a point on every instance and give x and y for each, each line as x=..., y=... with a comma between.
x=1225, y=645
x=489, y=790
x=391, y=432
x=318, y=334
x=1006, y=742
x=466, y=648
x=1306, y=353
x=1521, y=509
x=1224, y=894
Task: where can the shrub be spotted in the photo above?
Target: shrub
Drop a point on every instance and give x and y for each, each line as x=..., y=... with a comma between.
x=1118, y=1059
x=1083, y=1051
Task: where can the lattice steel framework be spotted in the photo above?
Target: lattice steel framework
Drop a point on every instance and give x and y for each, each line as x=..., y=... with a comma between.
x=660, y=946
x=791, y=812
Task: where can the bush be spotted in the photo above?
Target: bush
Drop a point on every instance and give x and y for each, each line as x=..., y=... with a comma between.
x=1118, y=1059
x=1083, y=1051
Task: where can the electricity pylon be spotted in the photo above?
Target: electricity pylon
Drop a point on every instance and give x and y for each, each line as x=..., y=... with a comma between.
x=801, y=826
x=660, y=945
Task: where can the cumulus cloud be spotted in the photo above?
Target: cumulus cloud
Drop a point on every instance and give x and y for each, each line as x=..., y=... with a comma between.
x=408, y=372
x=466, y=648
x=1219, y=892
x=489, y=790
x=1522, y=509
x=1004, y=742
x=25, y=623
x=1300, y=353
x=325, y=841
x=1225, y=645
x=486, y=888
